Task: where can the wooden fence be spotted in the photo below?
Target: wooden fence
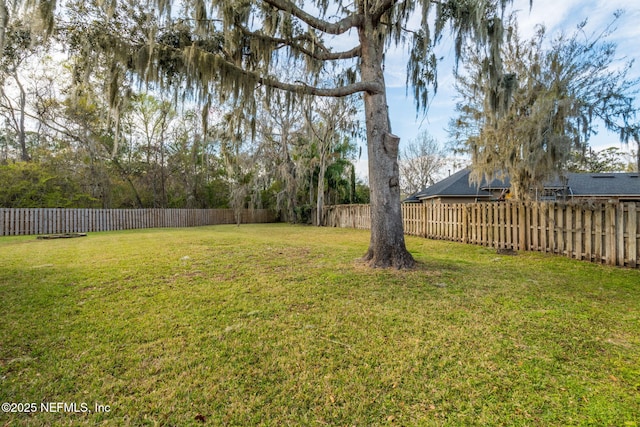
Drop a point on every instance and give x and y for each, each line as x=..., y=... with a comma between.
x=55, y=221
x=597, y=232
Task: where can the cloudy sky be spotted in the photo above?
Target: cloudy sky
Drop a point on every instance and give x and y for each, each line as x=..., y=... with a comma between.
x=556, y=15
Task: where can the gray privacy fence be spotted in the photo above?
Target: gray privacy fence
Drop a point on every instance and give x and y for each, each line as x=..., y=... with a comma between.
x=597, y=232
x=15, y=222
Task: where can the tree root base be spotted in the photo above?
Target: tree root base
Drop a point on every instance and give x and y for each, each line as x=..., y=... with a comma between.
x=400, y=260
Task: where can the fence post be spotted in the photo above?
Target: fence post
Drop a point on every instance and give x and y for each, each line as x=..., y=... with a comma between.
x=569, y=224
x=579, y=235
x=427, y=220
x=473, y=223
x=19, y=223
x=633, y=235
x=491, y=231
x=11, y=227
x=459, y=223
x=620, y=233
x=12, y=222
x=589, y=233
x=465, y=222
x=551, y=218
x=598, y=233
x=535, y=242
x=610, y=233
x=523, y=227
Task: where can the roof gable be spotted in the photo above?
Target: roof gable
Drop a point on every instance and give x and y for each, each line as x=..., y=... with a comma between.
x=455, y=185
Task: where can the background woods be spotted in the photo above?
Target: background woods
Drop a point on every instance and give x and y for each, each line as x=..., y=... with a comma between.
x=81, y=134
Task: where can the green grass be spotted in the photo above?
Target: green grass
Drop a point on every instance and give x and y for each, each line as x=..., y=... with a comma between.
x=280, y=325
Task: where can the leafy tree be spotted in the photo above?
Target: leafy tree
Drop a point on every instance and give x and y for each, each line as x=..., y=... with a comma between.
x=362, y=192
x=195, y=168
x=33, y=185
x=280, y=135
x=150, y=125
x=544, y=107
x=239, y=160
x=331, y=129
x=610, y=159
x=341, y=180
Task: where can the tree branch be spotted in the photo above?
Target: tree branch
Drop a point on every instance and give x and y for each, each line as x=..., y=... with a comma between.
x=381, y=8
x=323, y=55
x=336, y=28
x=305, y=89
x=231, y=69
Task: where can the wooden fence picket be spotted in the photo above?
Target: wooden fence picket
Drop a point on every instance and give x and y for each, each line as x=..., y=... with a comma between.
x=632, y=241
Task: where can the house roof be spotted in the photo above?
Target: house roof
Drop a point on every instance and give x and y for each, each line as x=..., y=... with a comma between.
x=576, y=184
x=456, y=185
x=604, y=184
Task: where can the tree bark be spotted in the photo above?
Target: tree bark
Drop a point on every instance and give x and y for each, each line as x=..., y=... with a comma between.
x=387, y=246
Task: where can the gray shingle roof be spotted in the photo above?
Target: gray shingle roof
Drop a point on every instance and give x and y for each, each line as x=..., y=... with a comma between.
x=604, y=184
x=579, y=184
x=455, y=185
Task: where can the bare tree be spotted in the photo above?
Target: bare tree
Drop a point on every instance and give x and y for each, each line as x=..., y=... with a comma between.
x=19, y=45
x=420, y=163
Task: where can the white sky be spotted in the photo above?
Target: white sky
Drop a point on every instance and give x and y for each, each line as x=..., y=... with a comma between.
x=556, y=15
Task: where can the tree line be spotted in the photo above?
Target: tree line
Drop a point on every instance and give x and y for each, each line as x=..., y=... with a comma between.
x=65, y=143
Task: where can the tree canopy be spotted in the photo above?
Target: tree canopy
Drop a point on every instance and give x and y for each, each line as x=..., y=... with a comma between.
x=550, y=97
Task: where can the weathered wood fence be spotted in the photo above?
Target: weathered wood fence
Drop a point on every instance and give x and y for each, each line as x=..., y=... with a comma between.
x=597, y=232
x=52, y=221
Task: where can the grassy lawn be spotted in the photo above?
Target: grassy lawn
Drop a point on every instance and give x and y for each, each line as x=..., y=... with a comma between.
x=280, y=325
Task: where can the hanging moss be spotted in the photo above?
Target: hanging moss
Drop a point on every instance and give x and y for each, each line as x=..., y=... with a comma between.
x=541, y=107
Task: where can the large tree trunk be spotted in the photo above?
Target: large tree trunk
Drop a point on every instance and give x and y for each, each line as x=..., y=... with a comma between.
x=387, y=247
